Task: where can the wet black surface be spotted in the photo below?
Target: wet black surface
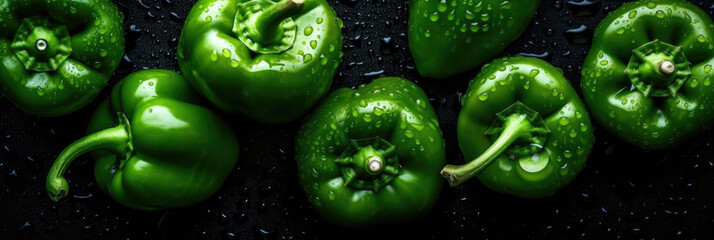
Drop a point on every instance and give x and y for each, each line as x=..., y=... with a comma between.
x=623, y=193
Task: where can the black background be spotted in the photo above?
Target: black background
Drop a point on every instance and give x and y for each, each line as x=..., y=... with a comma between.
x=623, y=193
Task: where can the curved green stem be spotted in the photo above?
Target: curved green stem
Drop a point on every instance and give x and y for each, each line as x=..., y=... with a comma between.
x=263, y=27
x=116, y=140
x=515, y=126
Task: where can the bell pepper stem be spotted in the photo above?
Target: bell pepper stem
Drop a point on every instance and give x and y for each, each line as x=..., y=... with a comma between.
x=116, y=140
x=41, y=45
x=666, y=68
x=263, y=27
x=375, y=164
x=516, y=126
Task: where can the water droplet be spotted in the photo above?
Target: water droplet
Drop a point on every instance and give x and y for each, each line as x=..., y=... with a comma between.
x=434, y=17
x=483, y=96
x=535, y=163
x=470, y=15
x=632, y=14
x=378, y=111
x=584, y=8
x=308, y=30
x=331, y=195
x=563, y=121
x=214, y=55
x=660, y=14
x=485, y=17
x=580, y=35
x=564, y=170
x=323, y=60
x=534, y=73
x=694, y=83
x=442, y=6
x=567, y=154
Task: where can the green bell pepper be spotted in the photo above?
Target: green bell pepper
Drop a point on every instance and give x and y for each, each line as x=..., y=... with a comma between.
x=648, y=76
x=372, y=155
x=163, y=151
x=57, y=56
x=525, y=128
x=270, y=61
x=447, y=37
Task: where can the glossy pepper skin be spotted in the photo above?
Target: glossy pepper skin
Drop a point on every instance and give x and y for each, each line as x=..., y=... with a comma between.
x=372, y=155
x=648, y=76
x=163, y=151
x=525, y=128
x=57, y=56
x=447, y=37
x=269, y=60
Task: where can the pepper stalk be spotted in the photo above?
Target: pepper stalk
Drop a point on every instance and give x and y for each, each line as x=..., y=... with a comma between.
x=116, y=140
x=267, y=27
x=517, y=122
x=263, y=27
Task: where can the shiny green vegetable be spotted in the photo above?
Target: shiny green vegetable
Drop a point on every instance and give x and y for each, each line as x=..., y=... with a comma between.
x=525, y=128
x=269, y=60
x=648, y=76
x=162, y=151
x=372, y=155
x=447, y=37
x=57, y=56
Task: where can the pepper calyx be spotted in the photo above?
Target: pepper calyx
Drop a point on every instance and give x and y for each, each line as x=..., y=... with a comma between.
x=368, y=164
x=41, y=45
x=658, y=69
x=528, y=143
x=267, y=27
